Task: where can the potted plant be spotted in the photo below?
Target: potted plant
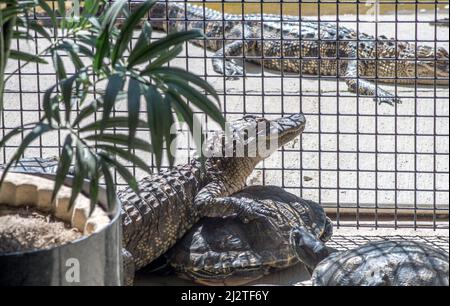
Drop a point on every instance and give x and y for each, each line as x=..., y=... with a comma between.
x=107, y=69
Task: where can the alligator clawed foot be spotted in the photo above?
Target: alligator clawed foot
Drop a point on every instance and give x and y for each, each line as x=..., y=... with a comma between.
x=386, y=97
x=252, y=210
x=233, y=71
x=388, y=100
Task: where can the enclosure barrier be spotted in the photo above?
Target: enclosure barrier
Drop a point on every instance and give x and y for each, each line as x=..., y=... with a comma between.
x=370, y=165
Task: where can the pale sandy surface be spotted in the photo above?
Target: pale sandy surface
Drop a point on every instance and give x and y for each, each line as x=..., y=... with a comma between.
x=393, y=155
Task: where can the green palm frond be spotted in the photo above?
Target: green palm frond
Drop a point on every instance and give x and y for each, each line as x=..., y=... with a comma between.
x=107, y=63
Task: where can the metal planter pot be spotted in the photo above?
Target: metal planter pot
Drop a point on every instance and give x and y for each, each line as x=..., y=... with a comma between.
x=93, y=260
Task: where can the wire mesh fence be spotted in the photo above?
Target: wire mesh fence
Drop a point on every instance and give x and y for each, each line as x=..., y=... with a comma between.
x=370, y=165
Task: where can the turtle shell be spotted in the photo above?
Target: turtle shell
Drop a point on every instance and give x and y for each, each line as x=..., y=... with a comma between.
x=384, y=263
x=227, y=251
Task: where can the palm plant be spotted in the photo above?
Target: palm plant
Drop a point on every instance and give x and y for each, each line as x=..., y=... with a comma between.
x=103, y=56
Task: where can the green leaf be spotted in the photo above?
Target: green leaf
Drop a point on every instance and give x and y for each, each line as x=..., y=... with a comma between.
x=109, y=182
x=125, y=154
x=89, y=109
x=167, y=126
x=115, y=84
x=22, y=35
x=198, y=100
x=89, y=39
x=102, y=48
x=86, y=111
x=37, y=131
x=123, y=171
x=112, y=13
x=181, y=107
x=126, y=32
x=139, y=56
x=43, y=4
x=66, y=91
x=27, y=57
x=9, y=13
x=188, y=116
x=134, y=102
x=47, y=103
x=59, y=66
x=11, y=134
x=93, y=192
x=121, y=139
x=183, y=75
x=90, y=7
x=61, y=8
x=39, y=29
x=89, y=160
x=95, y=23
x=79, y=174
x=63, y=165
x=155, y=118
x=143, y=40
x=73, y=49
x=164, y=58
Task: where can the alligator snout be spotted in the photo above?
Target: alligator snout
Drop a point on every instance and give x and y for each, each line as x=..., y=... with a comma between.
x=292, y=121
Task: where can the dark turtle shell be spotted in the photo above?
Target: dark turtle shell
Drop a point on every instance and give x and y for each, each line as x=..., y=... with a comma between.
x=227, y=251
x=384, y=263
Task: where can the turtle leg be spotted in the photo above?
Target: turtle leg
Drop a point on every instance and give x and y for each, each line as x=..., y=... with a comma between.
x=128, y=267
x=309, y=249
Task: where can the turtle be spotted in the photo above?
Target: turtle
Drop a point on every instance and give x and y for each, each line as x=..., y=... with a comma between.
x=227, y=251
x=376, y=263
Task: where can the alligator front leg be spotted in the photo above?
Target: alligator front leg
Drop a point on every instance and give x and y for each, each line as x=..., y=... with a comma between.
x=363, y=87
x=245, y=209
x=366, y=88
x=213, y=202
x=228, y=67
x=242, y=43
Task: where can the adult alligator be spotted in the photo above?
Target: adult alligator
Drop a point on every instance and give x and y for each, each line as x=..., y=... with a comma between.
x=171, y=202
x=289, y=44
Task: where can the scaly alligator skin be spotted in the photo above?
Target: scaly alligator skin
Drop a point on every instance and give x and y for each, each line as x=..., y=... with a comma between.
x=289, y=44
x=171, y=202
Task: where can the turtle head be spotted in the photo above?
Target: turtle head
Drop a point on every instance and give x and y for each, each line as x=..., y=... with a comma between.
x=310, y=250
